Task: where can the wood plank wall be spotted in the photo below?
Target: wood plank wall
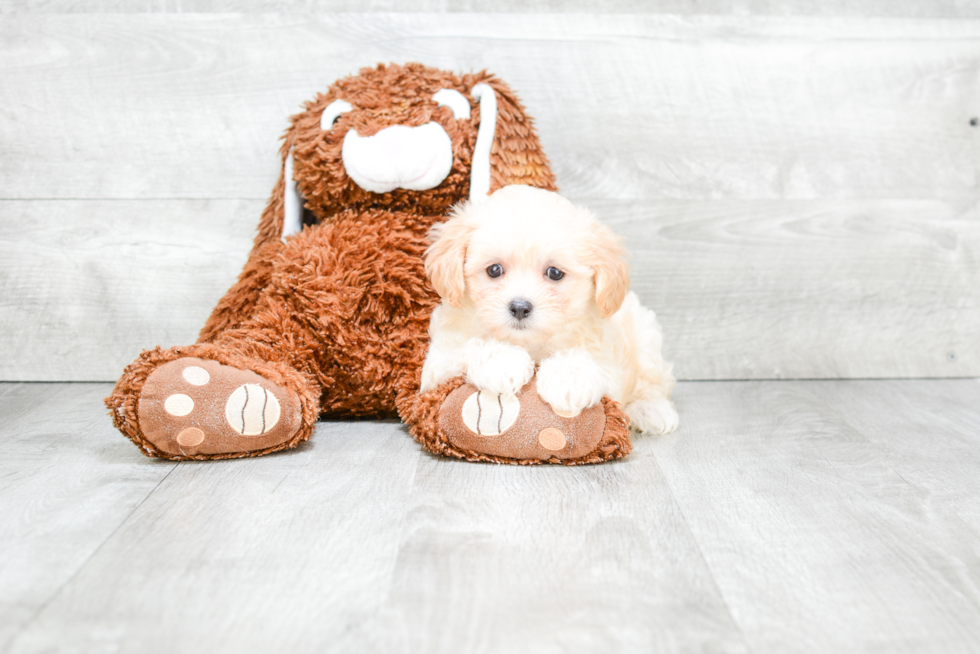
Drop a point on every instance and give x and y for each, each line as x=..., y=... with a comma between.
x=798, y=182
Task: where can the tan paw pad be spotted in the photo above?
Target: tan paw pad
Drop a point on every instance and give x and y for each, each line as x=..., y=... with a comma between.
x=196, y=375
x=252, y=410
x=193, y=407
x=179, y=404
x=190, y=437
x=522, y=427
x=552, y=439
x=490, y=414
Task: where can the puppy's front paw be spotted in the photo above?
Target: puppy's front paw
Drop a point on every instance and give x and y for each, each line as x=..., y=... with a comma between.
x=571, y=381
x=497, y=367
x=653, y=416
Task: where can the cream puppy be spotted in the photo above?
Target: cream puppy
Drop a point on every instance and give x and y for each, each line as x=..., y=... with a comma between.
x=528, y=279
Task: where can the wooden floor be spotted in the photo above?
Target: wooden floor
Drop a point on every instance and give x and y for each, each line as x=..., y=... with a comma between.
x=823, y=516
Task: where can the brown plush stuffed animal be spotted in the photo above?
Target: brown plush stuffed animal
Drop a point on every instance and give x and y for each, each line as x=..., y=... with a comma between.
x=330, y=314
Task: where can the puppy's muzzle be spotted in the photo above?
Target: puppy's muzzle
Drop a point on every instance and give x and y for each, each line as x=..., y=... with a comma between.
x=520, y=309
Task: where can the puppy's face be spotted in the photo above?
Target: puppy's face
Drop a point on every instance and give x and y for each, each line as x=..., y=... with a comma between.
x=529, y=263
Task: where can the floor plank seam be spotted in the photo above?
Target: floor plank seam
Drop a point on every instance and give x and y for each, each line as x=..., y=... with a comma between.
x=420, y=455
x=844, y=419
x=707, y=566
x=40, y=609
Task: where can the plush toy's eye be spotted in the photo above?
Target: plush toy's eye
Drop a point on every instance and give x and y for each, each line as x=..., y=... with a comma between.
x=332, y=113
x=455, y=101
x=554, y=274
x=496, y=270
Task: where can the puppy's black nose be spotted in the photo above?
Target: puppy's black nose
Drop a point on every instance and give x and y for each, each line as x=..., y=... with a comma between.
x=520, y=309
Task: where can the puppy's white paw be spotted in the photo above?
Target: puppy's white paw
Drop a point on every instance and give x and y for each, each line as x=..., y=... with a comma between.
x=653, y=416
x=497, y=367
x=439, y=366
x=570, y=381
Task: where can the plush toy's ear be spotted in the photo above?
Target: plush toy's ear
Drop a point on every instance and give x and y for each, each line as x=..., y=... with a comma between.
x=480, y=168
x=445, y=257
x=292, y=201
x=507, y=149
x=285, y=207
x=612, y=273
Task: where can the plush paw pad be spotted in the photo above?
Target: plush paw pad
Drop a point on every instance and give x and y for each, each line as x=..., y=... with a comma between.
x=518, y=427
x=196, y=375
x=490, y=414
x=190, y=437
x=552, y=439
x=178, y=404
x=193, y=406
x=252, y=410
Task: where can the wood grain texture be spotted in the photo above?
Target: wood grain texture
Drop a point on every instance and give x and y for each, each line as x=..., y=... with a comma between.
x=818, y=537
x=861, y=8
x=799, y=193
x=597, y=559
x=65, y=487
x=945, y=475
x=645, y=106
x=86, y=285
x=804, y=289
x=782, y=517
x=752, y=289
x=290, y=552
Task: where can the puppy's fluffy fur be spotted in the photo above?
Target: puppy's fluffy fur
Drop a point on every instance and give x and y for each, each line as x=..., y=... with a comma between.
x=587, y=334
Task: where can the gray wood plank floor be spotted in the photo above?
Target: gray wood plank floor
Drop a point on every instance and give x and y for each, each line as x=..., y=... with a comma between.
x=784, y=516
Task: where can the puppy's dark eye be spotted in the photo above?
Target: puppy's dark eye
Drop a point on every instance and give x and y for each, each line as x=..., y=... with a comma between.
x=496, y=270
x=554, y=274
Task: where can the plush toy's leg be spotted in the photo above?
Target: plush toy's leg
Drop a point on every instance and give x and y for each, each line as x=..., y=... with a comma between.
x=209, y=402
x=458, y=420
x=339, y=314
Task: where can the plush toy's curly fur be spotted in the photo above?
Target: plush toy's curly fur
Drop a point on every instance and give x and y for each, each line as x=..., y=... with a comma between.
x=421, y=412
x=383, y=96
x=339, y=312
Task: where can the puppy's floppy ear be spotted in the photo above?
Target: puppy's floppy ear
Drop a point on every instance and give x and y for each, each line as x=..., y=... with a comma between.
x=445, y=257
x=612, y=273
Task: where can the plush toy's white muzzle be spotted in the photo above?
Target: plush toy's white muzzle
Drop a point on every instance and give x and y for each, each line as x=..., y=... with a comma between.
x=412, y=158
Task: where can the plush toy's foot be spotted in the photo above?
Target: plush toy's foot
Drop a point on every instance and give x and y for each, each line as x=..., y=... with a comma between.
x=186, y=407
x=196, y=407
x=459, y=420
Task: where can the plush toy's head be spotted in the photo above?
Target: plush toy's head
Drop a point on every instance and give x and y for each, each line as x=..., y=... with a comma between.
x=407, y=138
